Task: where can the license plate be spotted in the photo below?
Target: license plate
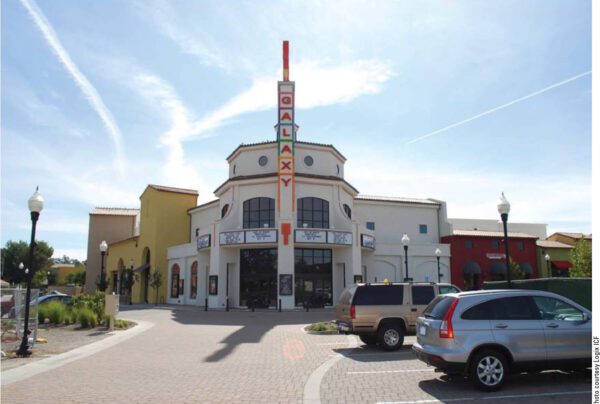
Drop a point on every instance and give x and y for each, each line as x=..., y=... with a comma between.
x=422, y=330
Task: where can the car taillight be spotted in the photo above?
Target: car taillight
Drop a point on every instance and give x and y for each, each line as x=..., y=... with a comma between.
x=352, y=311
x=446, y=330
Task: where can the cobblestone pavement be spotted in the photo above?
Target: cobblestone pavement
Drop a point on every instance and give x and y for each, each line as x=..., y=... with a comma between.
x=193, y=356
x=262, y=357
x=369, y=375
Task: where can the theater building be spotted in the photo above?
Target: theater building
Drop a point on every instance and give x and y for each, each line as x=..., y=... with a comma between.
x=287, y=229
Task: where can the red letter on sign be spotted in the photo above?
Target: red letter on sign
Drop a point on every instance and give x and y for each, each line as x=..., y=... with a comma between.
x=286, y=149
x=286, y=100
x=286, y=165
x=284, y=133
x=286, y=229
x=286, y=181
x=286, y=117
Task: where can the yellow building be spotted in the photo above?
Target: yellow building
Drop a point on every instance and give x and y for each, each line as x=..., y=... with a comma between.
x=63, y=271
x=164, y=222
x=570, y=238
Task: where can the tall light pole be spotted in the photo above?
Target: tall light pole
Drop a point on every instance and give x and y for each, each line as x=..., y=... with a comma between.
x=547, y=257
x=36, y=204
x=504, y=209
x=405, y=242
x=438, y=253
x=102, y=283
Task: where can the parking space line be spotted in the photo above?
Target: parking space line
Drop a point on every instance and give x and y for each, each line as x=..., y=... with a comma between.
x=448, y=400
x=389, y=371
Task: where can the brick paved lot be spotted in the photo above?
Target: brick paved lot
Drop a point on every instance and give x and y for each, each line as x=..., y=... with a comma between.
x=369, y=375
x=263, y=357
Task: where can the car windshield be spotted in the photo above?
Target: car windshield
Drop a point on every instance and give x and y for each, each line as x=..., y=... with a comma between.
x=438, y=307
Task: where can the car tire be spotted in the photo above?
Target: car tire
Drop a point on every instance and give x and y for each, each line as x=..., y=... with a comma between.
x=390, y=336
x=488, y=370
x=368, y=339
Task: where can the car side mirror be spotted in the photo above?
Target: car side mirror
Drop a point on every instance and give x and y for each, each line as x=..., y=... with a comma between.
x=585, y=317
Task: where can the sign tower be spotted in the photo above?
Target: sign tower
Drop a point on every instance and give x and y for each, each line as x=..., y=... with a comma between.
x=286, y=198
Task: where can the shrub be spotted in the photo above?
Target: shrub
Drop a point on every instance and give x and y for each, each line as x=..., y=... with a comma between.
x=87, y=318
x=123, y=324
x=94, y=302
x=322, y=327
x=56, y=311
x=42, y=313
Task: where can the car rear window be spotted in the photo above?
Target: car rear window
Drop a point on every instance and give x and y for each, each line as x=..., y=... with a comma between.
x=438, y=307
x=422, y=294
x=379, y=295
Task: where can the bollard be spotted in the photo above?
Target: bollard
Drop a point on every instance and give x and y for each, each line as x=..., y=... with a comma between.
x=206, y=304
x=227, y=304
x=280, y=305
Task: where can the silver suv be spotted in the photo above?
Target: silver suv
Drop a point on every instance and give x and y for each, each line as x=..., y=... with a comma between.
x=485, y=335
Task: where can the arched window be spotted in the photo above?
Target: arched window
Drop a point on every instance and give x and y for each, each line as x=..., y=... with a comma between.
x=194, y=281
x=348, y=211
x=258, y=212
x=224, y=210
x=175, y=281
x=314, y=212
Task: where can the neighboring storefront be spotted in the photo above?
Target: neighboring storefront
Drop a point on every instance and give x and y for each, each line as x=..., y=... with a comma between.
x=479, y=256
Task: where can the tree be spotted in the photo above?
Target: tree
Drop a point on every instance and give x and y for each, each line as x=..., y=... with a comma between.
x=77, y=277
x=65, y=259
x=581, y=258
x=52, y=276
x=156, y=282
x=515, y=270
x=16, y=252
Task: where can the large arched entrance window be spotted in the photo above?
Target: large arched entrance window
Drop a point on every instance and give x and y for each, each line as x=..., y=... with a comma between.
x=313, y=212
x=259, y=212
x=175, y=281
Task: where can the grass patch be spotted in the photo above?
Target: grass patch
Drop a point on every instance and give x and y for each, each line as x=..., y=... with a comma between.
x=322, y=327
x=123, y=324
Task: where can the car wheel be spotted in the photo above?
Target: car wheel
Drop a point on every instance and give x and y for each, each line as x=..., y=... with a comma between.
x=390, y=337
x=368, y=339
x=488, y=370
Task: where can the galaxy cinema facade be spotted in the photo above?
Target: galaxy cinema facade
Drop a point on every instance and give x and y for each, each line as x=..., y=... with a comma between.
x=287, y=229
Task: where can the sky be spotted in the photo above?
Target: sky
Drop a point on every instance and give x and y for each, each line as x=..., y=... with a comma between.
x=457, y=101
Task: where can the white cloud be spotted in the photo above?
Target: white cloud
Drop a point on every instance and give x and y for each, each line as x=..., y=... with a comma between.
x=81, y=80
x=321, y=85
x=164, y=17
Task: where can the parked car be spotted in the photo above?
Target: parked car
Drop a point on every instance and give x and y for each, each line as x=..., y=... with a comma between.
x=50, y=297
x=382, y=313
x=485, y=335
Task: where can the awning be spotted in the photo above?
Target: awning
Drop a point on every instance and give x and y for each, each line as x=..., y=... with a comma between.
x=472, y=268
x=526, y=268
x=142, y=268
x=561, y=264
x=498, y=268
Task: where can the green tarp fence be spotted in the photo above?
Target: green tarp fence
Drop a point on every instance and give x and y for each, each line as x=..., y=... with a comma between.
x=577, y=289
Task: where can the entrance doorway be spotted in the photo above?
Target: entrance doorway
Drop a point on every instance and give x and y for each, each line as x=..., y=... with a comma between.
x=313, y=277
x=258, y=277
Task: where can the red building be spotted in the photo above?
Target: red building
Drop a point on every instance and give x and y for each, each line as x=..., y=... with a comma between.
x=478, y=256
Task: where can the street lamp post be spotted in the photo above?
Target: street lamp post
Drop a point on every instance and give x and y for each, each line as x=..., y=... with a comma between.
x=405, y=242
x=547, y=257
x=130, y=279
x=36, y=204
x=504, y=209
x=438, y=253
x=102, y=283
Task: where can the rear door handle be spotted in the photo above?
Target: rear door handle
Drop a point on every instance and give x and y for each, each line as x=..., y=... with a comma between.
x=552, y=325
x=501, y=326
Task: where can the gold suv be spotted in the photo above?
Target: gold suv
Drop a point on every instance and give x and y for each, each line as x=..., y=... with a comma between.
x=382, y=313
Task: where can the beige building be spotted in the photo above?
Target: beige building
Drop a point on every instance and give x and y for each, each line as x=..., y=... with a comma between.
x=109, y=224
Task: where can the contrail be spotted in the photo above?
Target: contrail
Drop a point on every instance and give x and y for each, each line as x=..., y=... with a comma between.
x=82, y=82
x=543, y=90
